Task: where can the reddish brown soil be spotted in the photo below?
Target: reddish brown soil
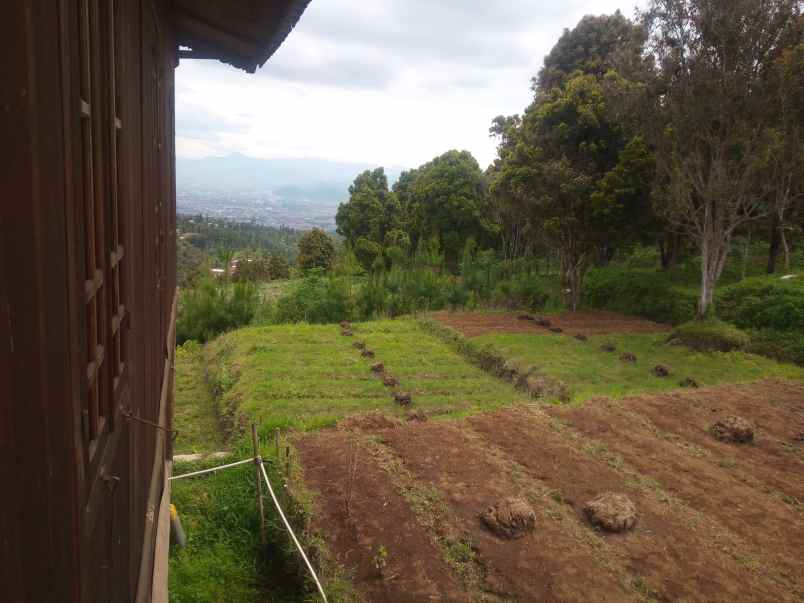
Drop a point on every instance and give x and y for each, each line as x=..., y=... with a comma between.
x=359, y=514
x=716, y=521
x=472, y=324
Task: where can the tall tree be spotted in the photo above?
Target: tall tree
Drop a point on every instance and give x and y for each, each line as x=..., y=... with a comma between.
x=715, y=58
x=371, y=210
x=448, y=199
x=316, y=250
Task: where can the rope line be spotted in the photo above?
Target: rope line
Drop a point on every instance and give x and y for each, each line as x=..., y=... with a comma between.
x=292, y=535
x=243, y=462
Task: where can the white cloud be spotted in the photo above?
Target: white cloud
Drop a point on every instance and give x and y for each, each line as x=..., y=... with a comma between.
x=394, y=82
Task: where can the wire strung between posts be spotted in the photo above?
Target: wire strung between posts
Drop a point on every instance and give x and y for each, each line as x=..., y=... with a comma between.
x=292, y=535
x=243, y=462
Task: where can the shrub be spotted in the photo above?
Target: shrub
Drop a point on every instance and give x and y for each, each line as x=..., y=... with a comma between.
x=646, y=293
x=317, y=299
x=212, y=308
x=764, y=303
x=525, y=289
x=711, y=335
x=786, y=346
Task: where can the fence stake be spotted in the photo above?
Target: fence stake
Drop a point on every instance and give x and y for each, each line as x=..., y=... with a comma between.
x=257, y=462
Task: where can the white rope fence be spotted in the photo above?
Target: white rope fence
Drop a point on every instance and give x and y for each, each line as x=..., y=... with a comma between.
x=292, y=535
x=203, y=471
x=258, y=460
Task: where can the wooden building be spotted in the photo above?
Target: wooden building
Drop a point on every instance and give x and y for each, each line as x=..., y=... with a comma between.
x=88, y=280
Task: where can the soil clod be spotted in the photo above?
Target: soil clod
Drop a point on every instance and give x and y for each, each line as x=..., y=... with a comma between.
x=366, y=353
x=378, y=368
x=359, y=345
x=510, y=518
x=556, y=330
x=418, y=416
x=403, y=399
x=689, y=382
x=345, y=324
x=608, y=347
x=628, y=357
x=733, y=429
x=543, y=322
x=581, y=337
x=611, y=512
x=661, y=370
x=347, y=333
x=390, y=381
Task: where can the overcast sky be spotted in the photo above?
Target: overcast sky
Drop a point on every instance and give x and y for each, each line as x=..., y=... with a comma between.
x=386, y=82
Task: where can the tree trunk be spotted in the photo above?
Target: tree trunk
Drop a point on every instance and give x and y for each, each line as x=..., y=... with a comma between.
x=669, y=246
x=713, y=259
x=775, y=242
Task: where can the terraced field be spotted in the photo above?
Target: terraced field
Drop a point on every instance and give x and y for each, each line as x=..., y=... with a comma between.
x=396, y=464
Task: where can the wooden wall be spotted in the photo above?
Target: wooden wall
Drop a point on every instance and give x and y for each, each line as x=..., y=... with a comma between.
x=77, y=517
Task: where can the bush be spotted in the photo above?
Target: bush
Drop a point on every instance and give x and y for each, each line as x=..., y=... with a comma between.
x=317, y=299
x=524, y=289
x=764, y=303
x=711, y=335
x=211, y=308
x=646, y=293
x=786, y=346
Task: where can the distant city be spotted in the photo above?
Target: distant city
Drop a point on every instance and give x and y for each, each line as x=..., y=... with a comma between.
x=297, y=193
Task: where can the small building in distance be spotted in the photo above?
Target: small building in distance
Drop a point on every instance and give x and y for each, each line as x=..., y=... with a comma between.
x=88, y=281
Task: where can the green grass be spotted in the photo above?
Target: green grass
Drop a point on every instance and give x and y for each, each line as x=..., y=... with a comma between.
x=590, y=372
x=438, y=378
x=309, y=376
x=195, y=416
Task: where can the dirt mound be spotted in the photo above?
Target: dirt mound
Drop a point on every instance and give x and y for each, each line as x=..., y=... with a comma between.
x=611, y=512
x=379, y=367
x=418, y=416
x=556, y=330
x=628, y=357
x=345, y=324
x=510, y=518
x=368, y=422
x=542, y=387
x=581, y=337
x=689, y=382
x=661, y=370
x=403, y=399
x=608, y=347
x=347, y=333
x=543, y=322
x=390, y=381
x=359, y=345
x=366, y=353
x=733, y=429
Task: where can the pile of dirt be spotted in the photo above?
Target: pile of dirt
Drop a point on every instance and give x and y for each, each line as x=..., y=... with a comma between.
x=689, y=382
x=403, y=399
x=733, y=429
x=556, y=330
x=661, y=370
x=611, y=512
x=390, y=381
x=378, y=368
x=510, y=518
x=628, y=357
x=345, y=324
x=359, y=345
x=368, y=422
x=366, y=353
x=608, y=347
x=539, y=386
x=543, y=322
x=581, y=337
x=347, y=333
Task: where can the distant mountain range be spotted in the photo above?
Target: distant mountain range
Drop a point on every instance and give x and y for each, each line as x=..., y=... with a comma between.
x=300, y=193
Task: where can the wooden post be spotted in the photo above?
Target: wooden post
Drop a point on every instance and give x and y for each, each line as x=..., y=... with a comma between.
x=257, y=461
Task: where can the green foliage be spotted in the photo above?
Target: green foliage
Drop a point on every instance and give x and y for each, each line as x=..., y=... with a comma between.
x=764, y=303
x=646, y=293
x=212, y=308
x=785, y=346
x=711, y=335
x=367, y=252
x=208, y=234
x=371, y=211
x=191, y=263
x=317, y=299
x=316, y=250
x=278, y=267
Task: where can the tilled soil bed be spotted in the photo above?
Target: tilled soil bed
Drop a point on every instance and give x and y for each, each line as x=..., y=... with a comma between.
x=714, y=521
x=473, y=324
